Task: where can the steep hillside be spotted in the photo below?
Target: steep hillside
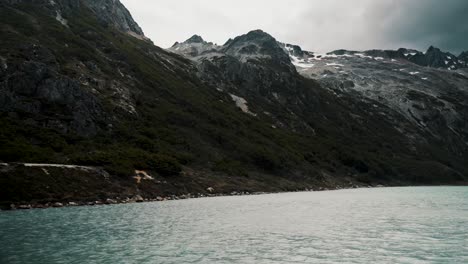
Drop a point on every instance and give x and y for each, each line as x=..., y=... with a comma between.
x=81, y=84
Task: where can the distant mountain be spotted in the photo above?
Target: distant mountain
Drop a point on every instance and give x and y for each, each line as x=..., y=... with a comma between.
x=80, y=84
x=434, y=57
x=463, y=58
x=194, y=46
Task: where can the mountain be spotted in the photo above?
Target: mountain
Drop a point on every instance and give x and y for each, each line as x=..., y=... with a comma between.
x=91, y=109
x=193, y=47
x=463, y=58
x=434, y=57
x=432, y=99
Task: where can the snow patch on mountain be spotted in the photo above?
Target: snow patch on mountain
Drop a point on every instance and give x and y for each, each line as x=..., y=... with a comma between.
x=335, y=64
x=301, y=63
x=362, y=55
x=60, y=19
x=241, y=103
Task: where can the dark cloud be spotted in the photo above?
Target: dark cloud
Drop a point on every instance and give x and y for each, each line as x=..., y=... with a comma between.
x=317, y=25
x=429, y=22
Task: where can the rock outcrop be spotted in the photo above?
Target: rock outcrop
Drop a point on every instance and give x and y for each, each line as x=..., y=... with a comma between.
x=37, y=89
x=435, y=58
x=111, y=13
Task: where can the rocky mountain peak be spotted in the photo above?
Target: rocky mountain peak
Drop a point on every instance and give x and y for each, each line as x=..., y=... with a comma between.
x=114, y=13
x=255, y=44
x=433, y=49
x=258, y=33
x=195, y=39
x=255, y=36
x=194, y=47
x=436, y=58
x=463, y=56
x=108, y=12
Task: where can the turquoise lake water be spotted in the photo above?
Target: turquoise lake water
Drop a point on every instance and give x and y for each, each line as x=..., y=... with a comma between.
x=382, y=225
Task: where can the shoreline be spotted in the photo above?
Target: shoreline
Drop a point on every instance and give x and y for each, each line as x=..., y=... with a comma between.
x=140, y=199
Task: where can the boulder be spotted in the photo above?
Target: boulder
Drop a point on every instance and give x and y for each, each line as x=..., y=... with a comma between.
x=110, y=201
x=137, y=198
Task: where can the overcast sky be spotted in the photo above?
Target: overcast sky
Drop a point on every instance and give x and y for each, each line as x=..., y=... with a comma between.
x=315, y=25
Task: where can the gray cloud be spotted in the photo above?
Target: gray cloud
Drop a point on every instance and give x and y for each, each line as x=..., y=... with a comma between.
x=316, y=25
x=420, y=23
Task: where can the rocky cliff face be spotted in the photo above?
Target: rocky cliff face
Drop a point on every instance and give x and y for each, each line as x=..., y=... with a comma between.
x=38, y=92
x=62, y=73
x=463, y=58
x=108, y=12
x=113, y=13
x=435, y=58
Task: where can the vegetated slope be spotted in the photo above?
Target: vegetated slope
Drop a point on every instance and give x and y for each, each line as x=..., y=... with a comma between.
x=88, y=89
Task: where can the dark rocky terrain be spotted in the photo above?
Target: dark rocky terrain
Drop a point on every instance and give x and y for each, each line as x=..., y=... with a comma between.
x=80, y=84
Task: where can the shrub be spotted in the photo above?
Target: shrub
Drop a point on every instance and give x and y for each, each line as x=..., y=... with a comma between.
x=266, y=159
x=164, y=165
x=231, y=167
x=19, y=151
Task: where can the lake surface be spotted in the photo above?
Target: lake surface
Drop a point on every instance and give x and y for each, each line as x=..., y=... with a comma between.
x=384, y=225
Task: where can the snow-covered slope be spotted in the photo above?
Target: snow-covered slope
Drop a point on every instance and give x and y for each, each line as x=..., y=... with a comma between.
x=434, y=99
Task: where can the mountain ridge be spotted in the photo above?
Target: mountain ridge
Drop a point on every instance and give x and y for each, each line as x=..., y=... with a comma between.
x=433, y=57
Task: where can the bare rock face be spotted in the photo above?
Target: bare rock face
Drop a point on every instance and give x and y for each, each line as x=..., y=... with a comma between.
x=115, y=14
x=36, y=88
x=63, y=91
x=194, y=47
x=463, y=58
x=254, y=60
x=254, y=66
x=435, y=58
x=109, y=12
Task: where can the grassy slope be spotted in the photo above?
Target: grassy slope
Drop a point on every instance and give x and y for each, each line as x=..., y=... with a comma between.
x=183, y=124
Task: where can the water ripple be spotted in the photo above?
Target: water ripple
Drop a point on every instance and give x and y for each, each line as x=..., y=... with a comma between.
x=385, y=225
